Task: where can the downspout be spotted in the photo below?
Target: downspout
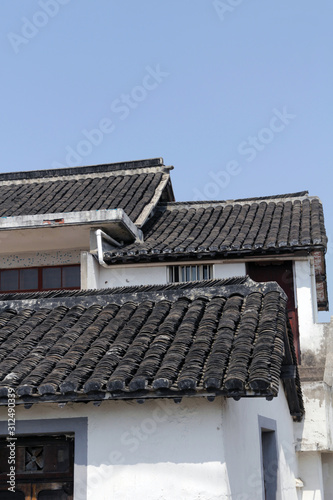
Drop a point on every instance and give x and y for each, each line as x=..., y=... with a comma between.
x=99, y=238
x=314, y=290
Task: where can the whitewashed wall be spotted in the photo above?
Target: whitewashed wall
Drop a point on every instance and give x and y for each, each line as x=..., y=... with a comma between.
x=228, y=270
x=95, y=276
x=311, y=332
x=194, y=450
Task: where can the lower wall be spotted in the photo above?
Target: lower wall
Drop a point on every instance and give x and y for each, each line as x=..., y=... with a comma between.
x=160, y=450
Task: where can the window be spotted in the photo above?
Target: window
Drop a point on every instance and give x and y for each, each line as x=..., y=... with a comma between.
x=43, y=468
x=40, y=278
x=179, y=274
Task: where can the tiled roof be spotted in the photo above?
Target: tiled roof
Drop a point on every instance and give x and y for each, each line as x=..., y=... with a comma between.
x=132, y=186
x=226, y=337
x=207, y=229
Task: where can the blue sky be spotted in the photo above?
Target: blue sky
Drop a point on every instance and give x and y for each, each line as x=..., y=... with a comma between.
x=236, y=94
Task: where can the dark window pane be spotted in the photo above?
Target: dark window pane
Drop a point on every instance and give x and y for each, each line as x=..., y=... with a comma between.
x=51, y=277
x=52, y=494
x=71, y=277
x=9, y=280
x=28, y=279
x=9, y=495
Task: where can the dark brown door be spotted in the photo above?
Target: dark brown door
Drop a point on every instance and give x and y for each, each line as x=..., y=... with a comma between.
x=282, y=273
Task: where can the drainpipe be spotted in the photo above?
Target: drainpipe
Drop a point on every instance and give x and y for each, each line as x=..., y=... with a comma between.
x=99, y=238
x=314, y=290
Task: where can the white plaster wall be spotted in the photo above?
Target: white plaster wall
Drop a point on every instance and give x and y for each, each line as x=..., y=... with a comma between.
x=89, y=272
x=39, y=259
x=160, y=450
x=310, y=470
x=95, y=276
x=243, y=447
x=129, y=275
x=153, y=451
x=315, y=431
x=228, y=270
x=132, y=276
x=311, y=333
x=327, y=468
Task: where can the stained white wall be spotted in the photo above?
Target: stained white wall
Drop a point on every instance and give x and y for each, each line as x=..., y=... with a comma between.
x=314, y=432
x=194, y=450
x=132, y=276
x=36, y=259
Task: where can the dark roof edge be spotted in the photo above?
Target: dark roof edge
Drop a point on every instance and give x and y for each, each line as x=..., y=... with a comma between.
x=230, y=286
x=138, y=396
x=63, y=172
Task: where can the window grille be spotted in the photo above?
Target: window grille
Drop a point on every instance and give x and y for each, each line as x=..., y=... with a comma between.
x=180, y=274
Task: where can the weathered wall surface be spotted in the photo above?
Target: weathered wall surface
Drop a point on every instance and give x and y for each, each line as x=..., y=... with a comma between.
x=37, y=259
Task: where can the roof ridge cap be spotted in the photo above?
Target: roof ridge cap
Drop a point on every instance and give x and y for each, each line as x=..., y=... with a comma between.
x=190, y=289
x=81, y=170
x=241, y=201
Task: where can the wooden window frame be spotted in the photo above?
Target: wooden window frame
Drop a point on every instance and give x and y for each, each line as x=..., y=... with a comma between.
x=78, y=426
x=40, y=279
x=56, y=476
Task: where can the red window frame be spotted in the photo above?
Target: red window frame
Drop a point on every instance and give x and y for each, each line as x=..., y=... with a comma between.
x=40, y=279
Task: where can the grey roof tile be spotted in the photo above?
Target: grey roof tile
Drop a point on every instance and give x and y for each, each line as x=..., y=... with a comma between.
x=220, y=336
x=130, y=186
x=273, y=224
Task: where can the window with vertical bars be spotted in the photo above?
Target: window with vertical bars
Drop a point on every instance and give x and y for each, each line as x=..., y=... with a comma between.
x=180, y=274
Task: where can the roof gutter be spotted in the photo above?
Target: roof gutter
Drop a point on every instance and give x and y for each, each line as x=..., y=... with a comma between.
x=99, y=239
